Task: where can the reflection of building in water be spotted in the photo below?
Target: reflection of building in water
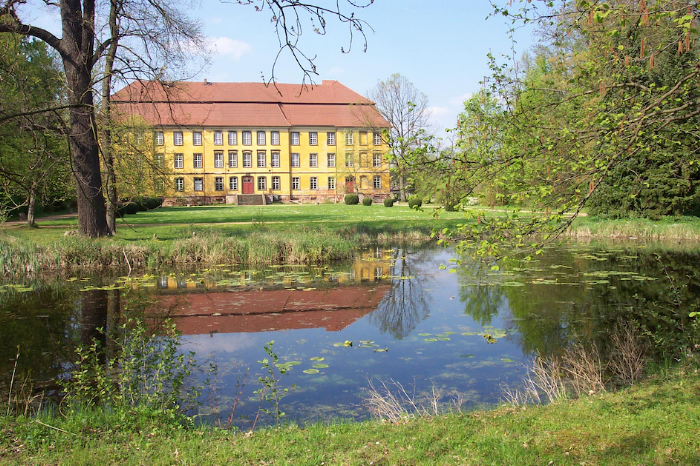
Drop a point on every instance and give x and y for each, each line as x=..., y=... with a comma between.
x=372, y=265
x=259, y=311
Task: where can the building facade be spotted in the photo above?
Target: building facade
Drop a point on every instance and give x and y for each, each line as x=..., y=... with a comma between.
x=218, y=142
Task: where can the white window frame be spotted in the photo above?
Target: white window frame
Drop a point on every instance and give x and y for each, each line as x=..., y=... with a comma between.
x=276, y=183
x=349, y=160
x=177, y=138
x=199, y=181
x=261, y=138
x=275, y=138
x=313, y=138
x=295, y=160
x=263, y=154
x=219, y=159
x=159, y=138
x=294, y=138
x=376, y=159
x=330, y=138
x=330, y=160
x=295, y=183
x=313, y=183
x=197, y=160
x=377, y=139
x=247, y=159
x=349, y=139
x=196, y=138
x=218, y=138
x=233, y=159
x=331, y=182
x=247, y=138
x=377, y=182
x=179, y=184
x=233, y=138
x=275, y=160
x=313, y=160
x=233, y=183
x=179, y=161
x=219, y=183
x=262, y=183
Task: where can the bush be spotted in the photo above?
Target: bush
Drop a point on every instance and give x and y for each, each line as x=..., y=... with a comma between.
x=352, y=199
x=414, y=201
x=367, y=201
x=389, y=202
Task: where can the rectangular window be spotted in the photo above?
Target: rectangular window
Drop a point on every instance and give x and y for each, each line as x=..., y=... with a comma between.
x=330, y=139
x=219, y=183
x=218, y=138
x=198, y=184
x=262, y=159
x=313, y=160
x=261, y=138
x=313, y=138
x=262, y=183
x=295, y=160
x=275, y=138
x=247, y=138
x=232, y=159
x=363, y=160
x=377, y=182
x=233, y=183
x=275, y=182
x=349, y=139
x=233, y=138
x=363, y=182
x=331, y=182
x=158, y=160
x=158, y=136
x=331, y=160
x=177, y=138
x=196, y=160
x=139, y=138
x=179, y=160
x=377, y=160
x=196, y=138
x=363, y=138
x=179, y=184
x=377, y=139
x=247, y=159
x=295, y=182
x=349, y=160
x=313, y=183
x=295, y=138
x=219, y=159
x=275, y=160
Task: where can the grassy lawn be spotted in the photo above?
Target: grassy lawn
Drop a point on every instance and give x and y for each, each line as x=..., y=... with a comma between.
x=653, y=423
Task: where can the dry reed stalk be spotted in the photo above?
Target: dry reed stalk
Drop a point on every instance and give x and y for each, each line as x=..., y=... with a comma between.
x=628, y=358
x=584, y=368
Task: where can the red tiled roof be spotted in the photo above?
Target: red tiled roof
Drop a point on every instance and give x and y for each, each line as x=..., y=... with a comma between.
x=247, y=104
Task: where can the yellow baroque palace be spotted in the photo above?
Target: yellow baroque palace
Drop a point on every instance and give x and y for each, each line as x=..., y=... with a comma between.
x=228, y=142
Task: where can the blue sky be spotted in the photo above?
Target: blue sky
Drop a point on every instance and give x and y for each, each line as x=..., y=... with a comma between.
x=439, y=45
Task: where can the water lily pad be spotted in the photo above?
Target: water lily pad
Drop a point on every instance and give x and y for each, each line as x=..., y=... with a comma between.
x=320, y=366
x=447, y=333
x=317, y=358
x=424, y=334
x=381, y=350
x=311, y=371
x=431, y=339
x=469, y=356
x=506, y=360
x=468, y=334
x=444, y=338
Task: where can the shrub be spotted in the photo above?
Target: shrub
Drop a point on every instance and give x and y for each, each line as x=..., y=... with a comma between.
x=352, y=199
x=414, y=201
x=388, y=202
x=367, y=201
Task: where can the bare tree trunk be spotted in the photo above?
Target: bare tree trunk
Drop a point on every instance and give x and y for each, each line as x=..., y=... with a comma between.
x=108, y=155
x=32, y=205
x=78, y=41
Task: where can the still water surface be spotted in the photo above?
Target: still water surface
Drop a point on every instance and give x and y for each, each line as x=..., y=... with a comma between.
x=391, y=315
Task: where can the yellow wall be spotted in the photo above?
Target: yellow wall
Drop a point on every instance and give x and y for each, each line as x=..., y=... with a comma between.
x=208, y=172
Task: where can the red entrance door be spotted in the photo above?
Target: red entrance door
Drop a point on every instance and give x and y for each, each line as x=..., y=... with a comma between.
x=349, y=184
x=247, y=185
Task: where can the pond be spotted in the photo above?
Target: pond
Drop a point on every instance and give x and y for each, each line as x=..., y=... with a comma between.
x=392, y=316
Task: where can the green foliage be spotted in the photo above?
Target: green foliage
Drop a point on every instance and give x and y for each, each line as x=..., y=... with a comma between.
x=388, y=202
x=414, y=202
x=366, y=201
x=147, y=373
x=271, y=390
x=352, y=199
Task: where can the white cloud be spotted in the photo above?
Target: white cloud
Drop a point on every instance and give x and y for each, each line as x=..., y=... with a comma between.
x=230, y=47
x=459, y=100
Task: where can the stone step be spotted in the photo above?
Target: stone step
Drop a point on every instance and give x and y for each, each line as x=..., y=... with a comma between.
x=251, y=199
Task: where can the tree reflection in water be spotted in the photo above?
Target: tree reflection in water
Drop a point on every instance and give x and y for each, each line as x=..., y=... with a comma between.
x=407, y=302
